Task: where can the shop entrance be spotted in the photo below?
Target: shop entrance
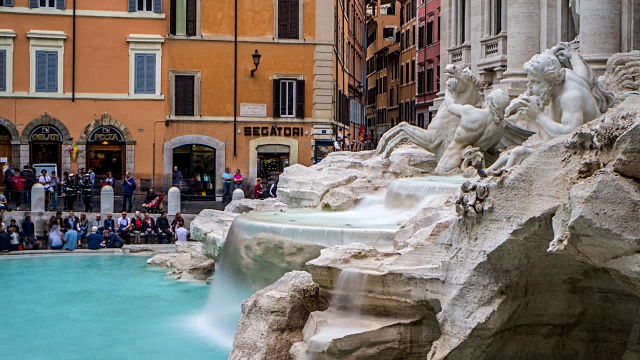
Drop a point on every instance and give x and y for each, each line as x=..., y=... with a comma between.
x=272, y=159
x=198, y=166
x=106, y=152
x=45, y=144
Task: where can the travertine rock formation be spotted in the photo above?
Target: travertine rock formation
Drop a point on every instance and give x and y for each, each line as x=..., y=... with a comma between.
x=343, y=178
x=551, y=272
x=246, y=205
x=188, y=262
x=273, y=318
x=210, y=227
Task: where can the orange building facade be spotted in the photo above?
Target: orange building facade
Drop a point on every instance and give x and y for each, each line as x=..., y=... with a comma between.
x=82, y=86
x=288, y=109
x=146, y=85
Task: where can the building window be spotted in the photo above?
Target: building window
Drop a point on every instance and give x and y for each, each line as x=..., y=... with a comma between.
x=498, y=17
x=430, y=31
x=185, y=93
x=7, y=3
x=184, y=17
x=391, y=98
x=401, y=74
x=439, y=27
x=3, y=70
x=421, y=120
x=421, y=81
x=145, y=64
x=6, y=60
x=430, y=78
x=413, y=38
x=145, y=74
x=421, y=36
x=288, y=98
x=145, y=5
x=47, y=56
x=387, y=32
x=406, y=69
x=407, y=36
x=33, y=4
x=46, y=71
x=288, y=19
x=438, y=76
x=463, y=21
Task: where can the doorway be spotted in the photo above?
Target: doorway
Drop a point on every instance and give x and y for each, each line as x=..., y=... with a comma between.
x=105, y=158
x=197, y=163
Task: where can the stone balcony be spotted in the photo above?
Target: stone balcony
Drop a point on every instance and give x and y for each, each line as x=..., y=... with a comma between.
x=460, y=55
x=493, y=56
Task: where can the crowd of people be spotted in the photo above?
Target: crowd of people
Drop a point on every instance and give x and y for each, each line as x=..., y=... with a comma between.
x=73, y=232
x=261, y=189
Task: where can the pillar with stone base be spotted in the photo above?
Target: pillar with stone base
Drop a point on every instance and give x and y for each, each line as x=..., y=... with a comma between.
x=106, y=200
x=37, y=198
x=173, y=206
x=600, y=32
x=523, y=42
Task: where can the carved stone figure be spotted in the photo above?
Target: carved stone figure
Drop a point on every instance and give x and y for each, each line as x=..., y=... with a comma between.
x=463, y=87
x=622, y=76
x=570, y=94
x=481, y=128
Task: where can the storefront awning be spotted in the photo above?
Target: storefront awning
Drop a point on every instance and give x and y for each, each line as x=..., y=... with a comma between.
x=274, y=148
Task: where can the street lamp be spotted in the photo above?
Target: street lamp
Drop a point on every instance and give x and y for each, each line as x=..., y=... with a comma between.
x=256, y=61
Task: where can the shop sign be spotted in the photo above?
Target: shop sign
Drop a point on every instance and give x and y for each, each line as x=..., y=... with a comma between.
x=105, y=133
x=290, y=131
x=45, y=133
x=253, y=110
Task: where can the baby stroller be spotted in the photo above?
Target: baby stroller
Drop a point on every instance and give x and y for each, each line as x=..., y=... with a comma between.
x=155, y=205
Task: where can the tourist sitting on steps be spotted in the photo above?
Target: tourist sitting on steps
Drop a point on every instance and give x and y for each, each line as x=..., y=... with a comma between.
x=82, y=228
x=112, y=240
x=148, y=229
x=181, y=233
x=163, y=228
x=136, y=226
x=70, y=239
x=124, y=225
x=94, y=239
x=5, y=240
x=28, y=233
x=109, y=223
x=55, y=234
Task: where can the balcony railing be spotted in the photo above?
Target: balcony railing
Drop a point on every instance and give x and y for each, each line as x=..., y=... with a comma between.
x=460, y=55
x=494, y=51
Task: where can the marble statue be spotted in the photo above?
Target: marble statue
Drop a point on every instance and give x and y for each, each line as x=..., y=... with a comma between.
x=463, y=88
x=568, y=93
x=479, y=127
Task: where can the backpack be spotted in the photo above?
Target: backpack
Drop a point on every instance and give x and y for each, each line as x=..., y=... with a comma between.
x=134, y=186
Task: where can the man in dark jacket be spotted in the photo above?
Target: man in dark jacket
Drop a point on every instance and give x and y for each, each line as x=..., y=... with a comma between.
x=28, y=232
x=129, y=185
x=87, y=193
x=29, y=179
x=164, y=228
x=148, y=229
x=109, y=223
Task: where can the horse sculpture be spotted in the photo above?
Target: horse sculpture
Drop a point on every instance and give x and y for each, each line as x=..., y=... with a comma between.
x=464, y=87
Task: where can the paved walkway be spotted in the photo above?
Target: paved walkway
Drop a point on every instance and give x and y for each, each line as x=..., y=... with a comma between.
x=143, y=250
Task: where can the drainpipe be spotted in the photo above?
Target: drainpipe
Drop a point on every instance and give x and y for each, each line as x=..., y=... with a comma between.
x=73, y=58
x=235, y=78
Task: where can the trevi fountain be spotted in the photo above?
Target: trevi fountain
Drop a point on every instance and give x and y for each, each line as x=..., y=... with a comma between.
x=509, y=229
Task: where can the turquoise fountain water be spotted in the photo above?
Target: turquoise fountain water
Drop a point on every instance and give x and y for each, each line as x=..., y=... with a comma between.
x=98, y=307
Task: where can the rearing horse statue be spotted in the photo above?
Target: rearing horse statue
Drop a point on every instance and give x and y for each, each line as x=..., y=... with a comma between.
x=464, y=87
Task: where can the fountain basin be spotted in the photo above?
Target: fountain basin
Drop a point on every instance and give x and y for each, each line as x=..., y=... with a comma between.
x=98, y=306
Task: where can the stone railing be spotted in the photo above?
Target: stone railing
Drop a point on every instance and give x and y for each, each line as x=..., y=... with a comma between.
x=495, y=46
x=460, y=55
